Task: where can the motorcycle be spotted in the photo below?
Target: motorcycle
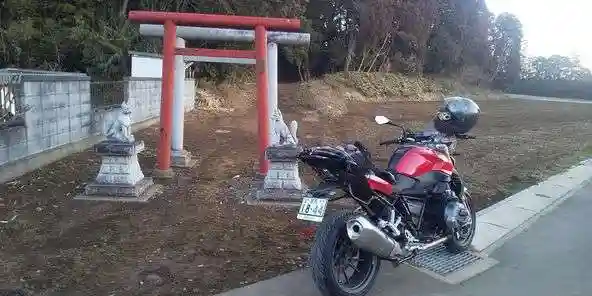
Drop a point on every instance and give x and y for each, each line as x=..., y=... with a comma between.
x=401, y=209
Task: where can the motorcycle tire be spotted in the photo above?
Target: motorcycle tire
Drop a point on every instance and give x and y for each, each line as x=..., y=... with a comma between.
x=322, y=258
x=455, y=245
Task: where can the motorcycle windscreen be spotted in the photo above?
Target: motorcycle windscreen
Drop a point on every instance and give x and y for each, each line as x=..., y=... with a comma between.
x=429, y=129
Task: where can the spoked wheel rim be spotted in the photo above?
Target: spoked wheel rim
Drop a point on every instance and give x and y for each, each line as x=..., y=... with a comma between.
x=352, y=267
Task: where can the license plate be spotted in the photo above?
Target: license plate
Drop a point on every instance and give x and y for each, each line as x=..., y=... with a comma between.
x=312, y=209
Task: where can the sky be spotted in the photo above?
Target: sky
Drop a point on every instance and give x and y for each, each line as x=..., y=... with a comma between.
x=552, y=27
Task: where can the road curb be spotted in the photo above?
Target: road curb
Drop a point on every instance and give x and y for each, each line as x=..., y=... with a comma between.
x=507, y=218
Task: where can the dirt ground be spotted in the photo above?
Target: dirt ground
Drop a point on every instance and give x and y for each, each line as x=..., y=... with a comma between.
x=200, y=238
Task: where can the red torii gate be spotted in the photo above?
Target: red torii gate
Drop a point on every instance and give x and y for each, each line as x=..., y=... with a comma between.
x=170, y=20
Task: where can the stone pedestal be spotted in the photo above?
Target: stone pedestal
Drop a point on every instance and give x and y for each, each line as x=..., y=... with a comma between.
x=120, y=177
x=182, y=159
x=283, y=175
x=282, y=183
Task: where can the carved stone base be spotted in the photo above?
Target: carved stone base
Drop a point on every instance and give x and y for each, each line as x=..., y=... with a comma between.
x=133, y=190
x=143, y=191
x=120, y=177
x=282, y=184
x=283, y=168
x=274, y=197
x=182, y=159
x=119, y=163
x=283, y=175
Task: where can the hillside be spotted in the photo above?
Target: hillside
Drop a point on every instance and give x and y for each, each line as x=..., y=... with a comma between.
x=329, y=95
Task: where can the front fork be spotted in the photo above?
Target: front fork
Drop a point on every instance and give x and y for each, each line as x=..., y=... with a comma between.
x=456, y=213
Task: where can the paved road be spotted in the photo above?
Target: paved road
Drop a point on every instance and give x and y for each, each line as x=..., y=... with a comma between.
x=548, y=99
x=552, y=258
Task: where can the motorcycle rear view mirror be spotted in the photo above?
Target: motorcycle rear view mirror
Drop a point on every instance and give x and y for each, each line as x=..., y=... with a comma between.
x=381, y=119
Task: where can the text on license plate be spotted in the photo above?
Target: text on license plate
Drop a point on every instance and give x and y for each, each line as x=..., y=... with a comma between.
x=312, y=209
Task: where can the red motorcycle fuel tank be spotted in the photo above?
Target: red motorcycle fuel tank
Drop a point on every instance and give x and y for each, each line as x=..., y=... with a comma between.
x=415, y=161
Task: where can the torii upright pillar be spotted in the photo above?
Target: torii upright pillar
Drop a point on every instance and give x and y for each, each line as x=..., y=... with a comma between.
x=179, y=156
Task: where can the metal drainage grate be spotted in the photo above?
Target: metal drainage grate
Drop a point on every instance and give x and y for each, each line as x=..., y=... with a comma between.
x=442, y=262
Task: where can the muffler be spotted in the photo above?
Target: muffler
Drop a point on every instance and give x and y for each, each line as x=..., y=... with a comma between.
x=367, y=236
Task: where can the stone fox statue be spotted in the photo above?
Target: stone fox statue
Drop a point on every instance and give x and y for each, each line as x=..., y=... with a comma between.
x=121, y=128
x=282, y=135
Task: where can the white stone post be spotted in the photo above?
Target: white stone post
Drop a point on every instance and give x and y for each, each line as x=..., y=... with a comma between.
x=179, y=157
x=272, y=83
x=178, y=106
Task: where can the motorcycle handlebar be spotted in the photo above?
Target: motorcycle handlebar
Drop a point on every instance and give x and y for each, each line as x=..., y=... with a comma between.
x=415, y=138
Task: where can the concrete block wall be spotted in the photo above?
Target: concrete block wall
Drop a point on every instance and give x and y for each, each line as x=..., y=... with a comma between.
x=143, y=97
x=144, y=94
x=62, y=119
x=60, y=113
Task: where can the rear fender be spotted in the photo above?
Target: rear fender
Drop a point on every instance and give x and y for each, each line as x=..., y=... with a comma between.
x=328, y=191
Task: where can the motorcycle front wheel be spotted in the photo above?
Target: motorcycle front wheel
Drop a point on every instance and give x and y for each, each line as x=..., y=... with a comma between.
x=338, y=267
x=460, y=240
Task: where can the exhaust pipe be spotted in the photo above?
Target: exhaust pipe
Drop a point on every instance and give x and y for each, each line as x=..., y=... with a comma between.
x=367, y=236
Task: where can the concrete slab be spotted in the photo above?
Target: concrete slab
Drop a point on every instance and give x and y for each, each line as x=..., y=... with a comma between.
x=517, y=212
x=507, y=216
x=551, y=258
x=574, y=176
x=182, y=159
x=550, y=190
x=486, y=234
x=299, y=281
x=532, y=202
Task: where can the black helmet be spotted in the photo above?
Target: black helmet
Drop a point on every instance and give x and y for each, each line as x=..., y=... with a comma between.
x=456, y=116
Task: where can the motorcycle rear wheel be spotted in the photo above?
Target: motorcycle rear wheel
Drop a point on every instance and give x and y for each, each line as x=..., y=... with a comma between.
x=333, y=254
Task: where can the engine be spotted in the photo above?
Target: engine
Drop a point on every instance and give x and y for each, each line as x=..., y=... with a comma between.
x=415, y=206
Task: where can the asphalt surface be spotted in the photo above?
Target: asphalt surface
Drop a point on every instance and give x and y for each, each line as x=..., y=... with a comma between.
x=551, y=258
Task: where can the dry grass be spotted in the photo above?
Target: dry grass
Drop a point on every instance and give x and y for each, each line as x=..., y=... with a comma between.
x=321, y=97
x=330, y=95
x=227, y=97
x=385, y=86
